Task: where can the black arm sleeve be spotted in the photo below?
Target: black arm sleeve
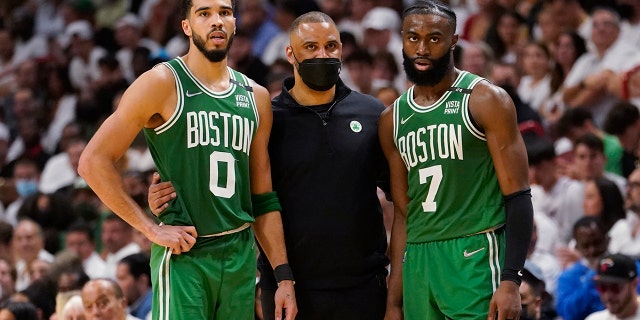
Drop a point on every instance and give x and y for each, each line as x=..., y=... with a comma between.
x=519, y=227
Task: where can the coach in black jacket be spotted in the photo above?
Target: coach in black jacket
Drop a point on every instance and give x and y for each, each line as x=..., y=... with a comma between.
x=326, y=163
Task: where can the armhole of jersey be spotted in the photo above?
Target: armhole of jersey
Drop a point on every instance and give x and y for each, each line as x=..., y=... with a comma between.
x=179, y=103
x=396, y=120
x=467, y=118
x=247, y=84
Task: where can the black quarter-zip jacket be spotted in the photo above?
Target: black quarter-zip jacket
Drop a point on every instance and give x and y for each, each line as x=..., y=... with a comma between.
x=325, y=168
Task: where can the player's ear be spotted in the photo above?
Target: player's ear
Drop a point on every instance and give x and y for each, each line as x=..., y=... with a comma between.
x=186, y=28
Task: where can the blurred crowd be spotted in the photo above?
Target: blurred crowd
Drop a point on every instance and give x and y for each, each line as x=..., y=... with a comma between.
x=570, y=66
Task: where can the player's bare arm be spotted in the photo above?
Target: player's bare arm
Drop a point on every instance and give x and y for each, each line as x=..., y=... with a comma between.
x=149, y=100
x=268, y=227
x=399, y=187
x=493, y=110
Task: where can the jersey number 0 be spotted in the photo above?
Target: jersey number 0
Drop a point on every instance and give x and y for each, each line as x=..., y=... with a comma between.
x=217, y=160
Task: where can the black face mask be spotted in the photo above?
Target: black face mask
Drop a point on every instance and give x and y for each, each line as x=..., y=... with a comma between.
x=319, y=74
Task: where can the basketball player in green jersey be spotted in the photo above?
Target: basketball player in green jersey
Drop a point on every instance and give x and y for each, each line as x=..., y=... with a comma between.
x=207, y=127
x=463, y=214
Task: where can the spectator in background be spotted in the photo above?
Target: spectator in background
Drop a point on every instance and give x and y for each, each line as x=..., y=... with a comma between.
x=61, y=170
x=85, y=54
x=477, y=58
x=352, y=21
x=97, y=102
x=79, y=238
x=547, y=30
x=577, y=122
x=242, y=58
x=382, y=33
x=8, y=61
x=387, y=95
x=7, y=279
x=577, y=296
x=104, y=299
x=586, y=83
x=133, y=275
x=53, y=212
x=73, y=309
x=285, y=12
x=254, y=18
x=117, y=241
x=532, y=293
x=570, y=15
x=626, y=84
x=617, y=283
x=602, y=199
x=27, y=119
x=39, y=269
x=626, y=233
x=48, y=20
x=554, y=195
x=336, y=9
x=545, y=260
x=506, y=36
x=385, y=72
x=60, y=106
x=26, y=176
x=18, y=310
x=359, y=65
x=129, y=36
x=42, y=293
x=28, y=245
x=539, y=80
x=589, y=161
x=28, y=44
x=623, y=121
x=570, y=46
x=142, y=61
x=477, y=24
x=27, y=144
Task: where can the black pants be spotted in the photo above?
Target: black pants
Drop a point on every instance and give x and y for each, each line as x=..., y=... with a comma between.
x=365, y=302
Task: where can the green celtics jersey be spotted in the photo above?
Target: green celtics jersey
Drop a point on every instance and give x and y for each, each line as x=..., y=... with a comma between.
x=453, y=188
x=203, y=149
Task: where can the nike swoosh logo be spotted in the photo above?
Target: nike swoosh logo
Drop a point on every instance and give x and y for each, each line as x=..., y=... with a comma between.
x=520, y=273
x=403, y=121
x=189, y=95
x=469, y=254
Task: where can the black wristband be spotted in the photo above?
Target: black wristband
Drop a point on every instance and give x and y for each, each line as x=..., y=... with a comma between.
x=511, y=275
x=283, y=272
x=518, y=229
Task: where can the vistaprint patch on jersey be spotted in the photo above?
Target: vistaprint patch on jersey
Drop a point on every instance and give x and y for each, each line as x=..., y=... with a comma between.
x=452, y=107
x=242, y=101
x=356, y=126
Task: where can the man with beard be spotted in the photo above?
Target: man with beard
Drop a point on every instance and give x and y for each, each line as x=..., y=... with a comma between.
x=327, y=163
x=617, y=282
x=200, y=119
x=459, y=183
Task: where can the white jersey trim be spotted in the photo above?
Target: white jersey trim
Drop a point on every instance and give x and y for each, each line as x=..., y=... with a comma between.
x=209, y=92
x=466, y=114
x=179, y=104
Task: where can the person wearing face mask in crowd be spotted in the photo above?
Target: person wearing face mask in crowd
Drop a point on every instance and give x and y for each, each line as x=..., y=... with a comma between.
x=326, y=165
x=26, y=176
